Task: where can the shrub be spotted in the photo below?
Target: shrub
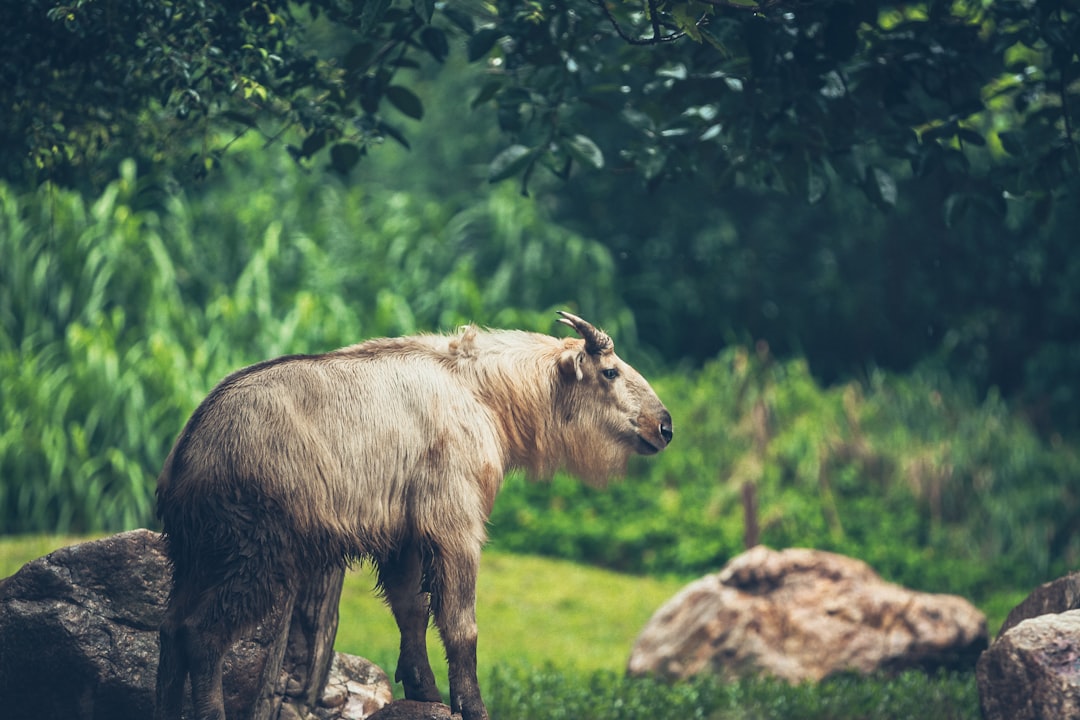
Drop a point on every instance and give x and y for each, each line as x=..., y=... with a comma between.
x=935, y=489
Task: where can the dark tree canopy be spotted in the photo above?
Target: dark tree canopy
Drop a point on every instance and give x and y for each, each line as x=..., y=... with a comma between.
x=97, y=79
x=788, y=94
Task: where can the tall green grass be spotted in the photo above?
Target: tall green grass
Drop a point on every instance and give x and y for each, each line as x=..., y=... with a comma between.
x=118, y=314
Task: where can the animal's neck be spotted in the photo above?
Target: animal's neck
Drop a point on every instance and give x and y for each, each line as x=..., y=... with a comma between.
x=515, y=377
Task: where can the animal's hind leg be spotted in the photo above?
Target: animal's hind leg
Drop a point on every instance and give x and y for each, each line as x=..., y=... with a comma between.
x=191, y=645
x=205, y=654
x=401, y=578
x=200, y=640
x=172, y=671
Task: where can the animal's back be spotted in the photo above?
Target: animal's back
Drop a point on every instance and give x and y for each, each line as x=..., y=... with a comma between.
x=321, y=458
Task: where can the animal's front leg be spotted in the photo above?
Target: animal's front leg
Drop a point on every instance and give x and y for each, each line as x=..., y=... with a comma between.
x=454, y=605
x=400, y=578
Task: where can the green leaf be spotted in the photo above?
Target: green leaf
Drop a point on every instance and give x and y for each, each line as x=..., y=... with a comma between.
x=371, y=13
x=882, y=187
x=480, y=44
x=393, y=133
x=406, y=101
x=486, y=93
x=940, y=132
x=370, y=91
x=460, y=18
x=584, y=150
x=313, y=143
x=434, y=41
x=358, y=56
x=344, y=156
x=685, y=16
x=1012, y=142
x=510, y=162
x=970, y=136
x=955, y=207
x=817, y=183
x=424, y=8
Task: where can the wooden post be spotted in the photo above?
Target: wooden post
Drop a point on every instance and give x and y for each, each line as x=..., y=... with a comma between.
x=751, y=531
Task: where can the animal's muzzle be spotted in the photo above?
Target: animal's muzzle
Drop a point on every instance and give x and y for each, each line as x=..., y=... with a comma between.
x=654, y=432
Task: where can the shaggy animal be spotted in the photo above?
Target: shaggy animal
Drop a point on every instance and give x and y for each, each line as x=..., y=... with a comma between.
x=391, y=450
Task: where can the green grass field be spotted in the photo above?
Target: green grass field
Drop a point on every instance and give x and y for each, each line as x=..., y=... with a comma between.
x=532, y=612
x=555, y=637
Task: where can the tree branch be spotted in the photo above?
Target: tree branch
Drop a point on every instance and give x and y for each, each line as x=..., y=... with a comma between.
x=757, y=7
x=656, y=39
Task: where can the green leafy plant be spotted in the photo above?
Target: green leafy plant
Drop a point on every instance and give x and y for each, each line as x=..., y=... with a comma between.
x=933, y=488
x=118, y=315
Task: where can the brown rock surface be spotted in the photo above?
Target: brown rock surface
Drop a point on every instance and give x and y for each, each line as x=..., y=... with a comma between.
x=1032, y=671
x=804, y=615
x=79, y=640
x=413, y=710
x=1056, y=596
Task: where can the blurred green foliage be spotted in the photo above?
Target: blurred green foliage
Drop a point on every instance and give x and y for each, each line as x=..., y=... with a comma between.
x=934, y=488
x=861, y=184
x=848, y=287
x=118, y=314
x=555, y=695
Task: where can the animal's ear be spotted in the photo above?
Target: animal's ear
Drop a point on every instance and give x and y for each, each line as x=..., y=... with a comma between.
x=570, y=364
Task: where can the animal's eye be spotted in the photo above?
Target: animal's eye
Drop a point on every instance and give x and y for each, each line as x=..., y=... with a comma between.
x=611, y=373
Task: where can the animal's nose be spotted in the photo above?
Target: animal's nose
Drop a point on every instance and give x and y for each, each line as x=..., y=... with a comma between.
x=666, y=430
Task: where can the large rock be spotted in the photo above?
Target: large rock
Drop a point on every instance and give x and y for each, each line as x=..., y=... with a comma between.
x=804, y=615
x=1033, y=668
x=1032, y=671
x=414, y=710
x=79, y=639
x=1056, y=596
x=356, y=689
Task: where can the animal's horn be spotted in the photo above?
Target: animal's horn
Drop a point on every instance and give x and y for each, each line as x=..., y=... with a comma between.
x=596, y=341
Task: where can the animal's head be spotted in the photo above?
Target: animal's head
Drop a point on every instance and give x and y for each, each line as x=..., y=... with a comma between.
x=609, y=403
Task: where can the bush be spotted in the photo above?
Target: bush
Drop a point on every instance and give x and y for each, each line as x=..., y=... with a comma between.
x=934, y=489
